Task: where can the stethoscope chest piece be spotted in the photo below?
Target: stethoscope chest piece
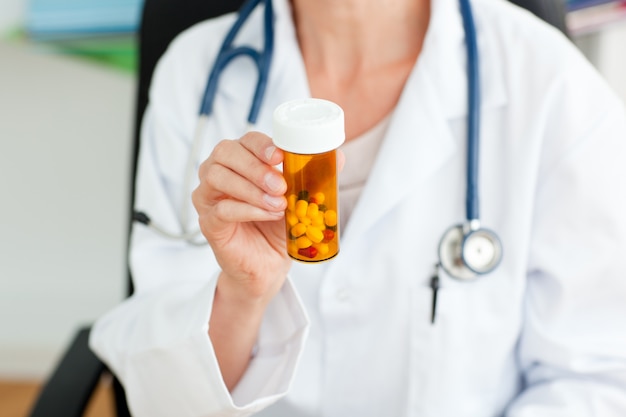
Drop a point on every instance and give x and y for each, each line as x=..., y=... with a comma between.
x=466, y=254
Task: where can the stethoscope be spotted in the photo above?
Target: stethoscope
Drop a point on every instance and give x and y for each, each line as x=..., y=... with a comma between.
x=226, y=54
x=466, y=250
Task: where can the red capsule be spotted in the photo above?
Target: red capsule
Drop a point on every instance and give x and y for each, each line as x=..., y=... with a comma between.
x=309, y=252
x=328, y=235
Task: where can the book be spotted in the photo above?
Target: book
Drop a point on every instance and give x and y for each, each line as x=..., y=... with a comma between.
x=594, y=15
x=572, y=5
x=54, y=19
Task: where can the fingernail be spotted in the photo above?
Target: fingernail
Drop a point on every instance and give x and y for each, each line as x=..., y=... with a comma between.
x=273, y=201
x=269, y=152
x=273, y=182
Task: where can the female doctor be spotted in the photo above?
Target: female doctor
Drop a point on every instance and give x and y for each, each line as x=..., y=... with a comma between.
x=235, y=328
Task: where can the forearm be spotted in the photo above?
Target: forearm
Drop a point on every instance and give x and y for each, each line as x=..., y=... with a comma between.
x=233, y=330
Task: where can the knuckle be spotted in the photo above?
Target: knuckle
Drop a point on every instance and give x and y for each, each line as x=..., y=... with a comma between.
x=213, y=175
x=222, y=149
x=252, y=137
x=255, y=141
x=203, y=168
x=222, y=211
x=196, y=197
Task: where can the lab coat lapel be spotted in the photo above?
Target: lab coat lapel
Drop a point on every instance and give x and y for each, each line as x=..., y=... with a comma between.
x=420, y=137
x=417, y=143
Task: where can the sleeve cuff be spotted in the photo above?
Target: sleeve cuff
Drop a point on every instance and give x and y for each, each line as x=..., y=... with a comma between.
x=159, y=347
x=280, y=343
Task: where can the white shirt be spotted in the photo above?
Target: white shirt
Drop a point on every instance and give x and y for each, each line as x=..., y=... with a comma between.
x=542, y=336
x=360, y=154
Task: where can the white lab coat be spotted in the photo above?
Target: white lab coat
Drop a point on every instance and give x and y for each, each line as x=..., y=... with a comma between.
x=542, y=336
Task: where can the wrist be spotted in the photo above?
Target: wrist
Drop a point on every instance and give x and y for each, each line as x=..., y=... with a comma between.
x=244, y=296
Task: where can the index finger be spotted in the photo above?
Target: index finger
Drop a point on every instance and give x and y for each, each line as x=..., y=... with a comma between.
x=262, y=147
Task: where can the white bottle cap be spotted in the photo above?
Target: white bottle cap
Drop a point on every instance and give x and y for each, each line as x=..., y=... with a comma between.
x=308, y=126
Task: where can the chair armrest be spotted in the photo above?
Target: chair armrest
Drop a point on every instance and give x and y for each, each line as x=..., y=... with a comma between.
x=71, y=385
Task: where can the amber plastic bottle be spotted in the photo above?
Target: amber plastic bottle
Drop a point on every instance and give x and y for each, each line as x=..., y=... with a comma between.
x=309, y=131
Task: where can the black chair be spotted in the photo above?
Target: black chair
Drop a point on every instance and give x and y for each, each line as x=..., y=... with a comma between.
x=70, y=387
x=552, y=11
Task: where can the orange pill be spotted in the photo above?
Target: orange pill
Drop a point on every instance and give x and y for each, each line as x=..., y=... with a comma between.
x=330, y=218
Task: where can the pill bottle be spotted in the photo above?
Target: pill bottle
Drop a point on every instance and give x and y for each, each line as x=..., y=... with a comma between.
x=309, y=131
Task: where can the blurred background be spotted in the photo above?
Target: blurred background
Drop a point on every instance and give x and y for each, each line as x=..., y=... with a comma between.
x=67, y=97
